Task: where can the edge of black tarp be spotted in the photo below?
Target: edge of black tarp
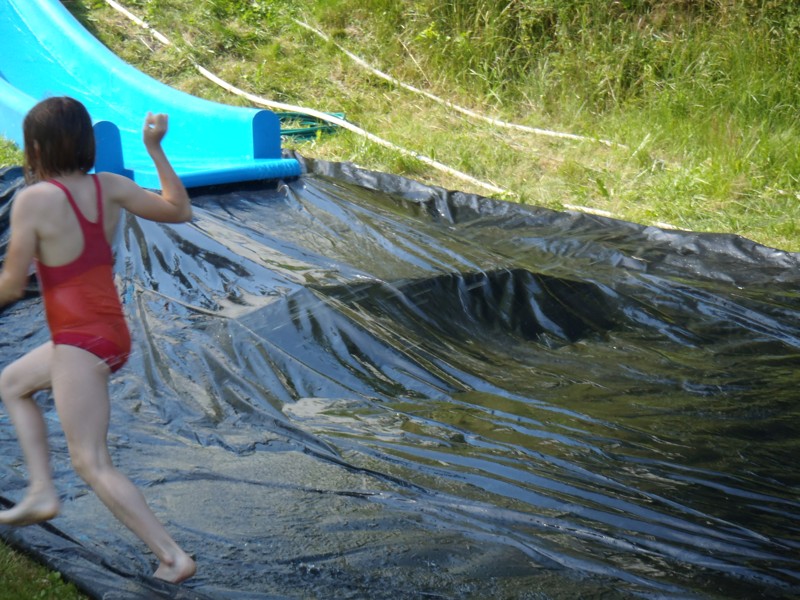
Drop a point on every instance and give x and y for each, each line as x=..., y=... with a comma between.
x=86, y=569
x=685, y=246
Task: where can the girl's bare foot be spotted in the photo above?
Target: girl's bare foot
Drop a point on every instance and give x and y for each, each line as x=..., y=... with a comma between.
x=181, y=568
x=34, y=508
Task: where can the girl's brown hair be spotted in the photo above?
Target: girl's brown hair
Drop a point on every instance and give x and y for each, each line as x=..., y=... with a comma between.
x=59, y=139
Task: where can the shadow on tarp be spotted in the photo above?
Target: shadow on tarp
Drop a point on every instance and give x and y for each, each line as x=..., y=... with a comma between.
x=352, y=385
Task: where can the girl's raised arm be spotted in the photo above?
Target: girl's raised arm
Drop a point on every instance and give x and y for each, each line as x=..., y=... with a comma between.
x=172, y=205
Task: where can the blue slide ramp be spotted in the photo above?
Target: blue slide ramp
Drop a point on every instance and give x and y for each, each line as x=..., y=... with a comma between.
x=45, y=51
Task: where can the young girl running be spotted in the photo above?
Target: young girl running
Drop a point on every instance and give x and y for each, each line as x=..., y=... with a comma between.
x=64, y=222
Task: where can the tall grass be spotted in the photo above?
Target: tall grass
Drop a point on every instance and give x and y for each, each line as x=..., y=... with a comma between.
x=701, y=95
x=706, y=90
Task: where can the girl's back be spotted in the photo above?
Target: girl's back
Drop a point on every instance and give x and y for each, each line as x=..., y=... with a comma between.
x=60, y=237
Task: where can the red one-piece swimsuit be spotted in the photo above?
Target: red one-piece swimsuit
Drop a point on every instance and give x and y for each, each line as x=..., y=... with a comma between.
x=81, y=301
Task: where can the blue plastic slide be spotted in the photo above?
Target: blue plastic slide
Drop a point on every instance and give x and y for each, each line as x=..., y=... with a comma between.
x=44, y=51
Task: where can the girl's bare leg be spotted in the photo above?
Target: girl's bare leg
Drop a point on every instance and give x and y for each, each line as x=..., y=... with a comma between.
x=80, y=389
x=18, y=382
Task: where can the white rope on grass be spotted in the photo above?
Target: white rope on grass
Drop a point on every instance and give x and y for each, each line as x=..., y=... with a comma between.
x=143, y=24
x=315, y=113
x=350, y=127
x=466, y=111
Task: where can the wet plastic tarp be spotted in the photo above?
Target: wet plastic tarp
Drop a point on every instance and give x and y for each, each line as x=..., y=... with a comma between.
x=351, y=385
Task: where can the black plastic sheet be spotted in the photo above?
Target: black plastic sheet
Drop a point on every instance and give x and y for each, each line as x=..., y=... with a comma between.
x=352, y=385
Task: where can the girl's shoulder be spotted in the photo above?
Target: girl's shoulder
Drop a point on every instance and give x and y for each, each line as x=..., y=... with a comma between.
x=115, y=186
x=36, y=208
x=36, y=194
x=40, y=187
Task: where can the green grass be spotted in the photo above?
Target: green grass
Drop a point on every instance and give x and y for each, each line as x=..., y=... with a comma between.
x=699, y=97
x=23, y=579
x=9, y=153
